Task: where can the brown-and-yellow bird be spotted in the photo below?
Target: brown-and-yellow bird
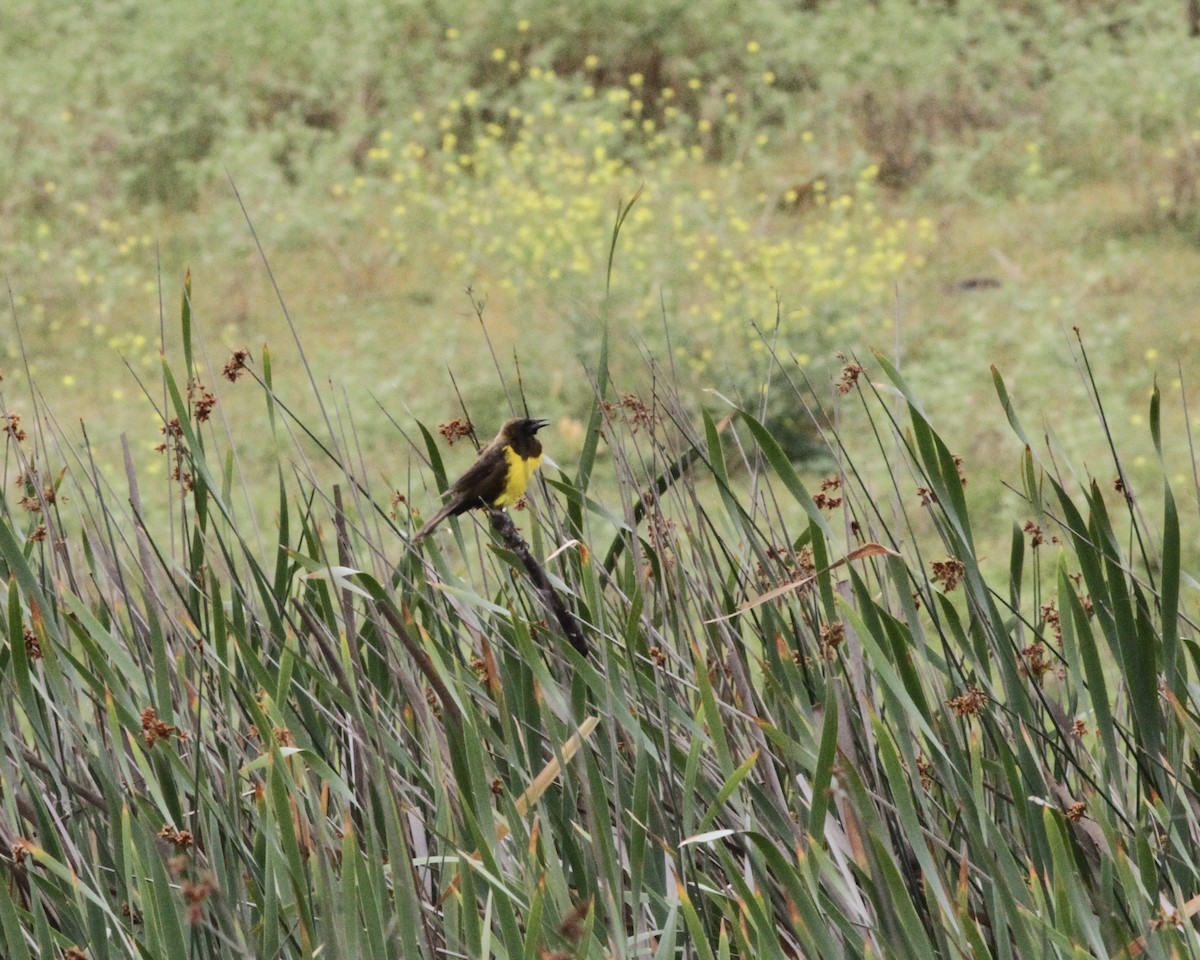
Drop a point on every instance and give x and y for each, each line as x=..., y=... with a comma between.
x=499, y=475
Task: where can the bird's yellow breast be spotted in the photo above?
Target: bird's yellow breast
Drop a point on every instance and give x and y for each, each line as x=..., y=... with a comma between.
x=520, y=469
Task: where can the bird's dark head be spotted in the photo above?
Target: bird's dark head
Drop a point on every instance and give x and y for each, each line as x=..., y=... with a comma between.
x=521, y=435
x=523, y=428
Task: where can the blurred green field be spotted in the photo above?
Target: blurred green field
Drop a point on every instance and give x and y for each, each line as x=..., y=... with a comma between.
x=957, y=184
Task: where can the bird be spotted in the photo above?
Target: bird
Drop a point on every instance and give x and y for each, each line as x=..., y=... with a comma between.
x=499, y=475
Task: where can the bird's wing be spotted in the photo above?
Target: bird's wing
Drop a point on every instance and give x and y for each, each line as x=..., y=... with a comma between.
x=485, y=481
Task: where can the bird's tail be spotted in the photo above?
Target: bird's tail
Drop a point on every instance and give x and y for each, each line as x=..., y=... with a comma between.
x=434, y=521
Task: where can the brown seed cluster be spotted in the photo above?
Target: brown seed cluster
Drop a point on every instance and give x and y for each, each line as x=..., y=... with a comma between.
x=12, y=426
x=924, y=771
x=795, y=566
x=948, y=572
x=154, y=729
x=573, y=926
x=19, y=851
x=236, y=366
x=33, y=646
x=397, y=500
x=632, y=410
x=195, y=894
x=833, y=635
x=661, y=533
x=824, y=500
x=1036, y=535
x=455, y=430
x=969, y=704
x=1034, y=662
x=173, y=431
x=1077, y=811
x=1078, y=728
x=36, y=491
x=851, y=371
x=928, y=497
x=180, y=838
x=201, y=399
x=1052, y=620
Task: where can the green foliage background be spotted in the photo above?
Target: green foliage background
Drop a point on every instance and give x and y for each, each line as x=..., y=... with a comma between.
x=1050, y=147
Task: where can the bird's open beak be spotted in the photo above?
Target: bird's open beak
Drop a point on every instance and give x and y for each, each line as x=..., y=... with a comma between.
x=540, y=424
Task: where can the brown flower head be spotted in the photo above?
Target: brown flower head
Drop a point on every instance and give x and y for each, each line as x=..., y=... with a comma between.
x=236, y=365
x=455, y=430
